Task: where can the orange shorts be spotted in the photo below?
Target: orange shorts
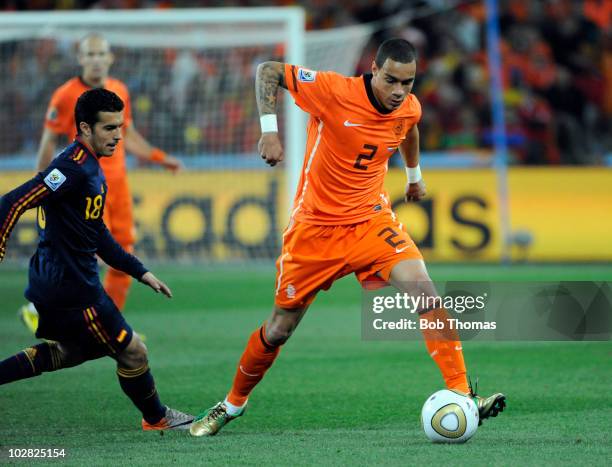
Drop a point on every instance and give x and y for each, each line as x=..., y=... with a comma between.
x=314, y=256
x=118, y=215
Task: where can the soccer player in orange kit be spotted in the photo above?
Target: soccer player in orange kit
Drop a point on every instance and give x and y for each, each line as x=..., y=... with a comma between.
x=342, y=220
x=95, y=58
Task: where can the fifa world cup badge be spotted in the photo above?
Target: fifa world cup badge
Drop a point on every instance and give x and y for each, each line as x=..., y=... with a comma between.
x=54, y=179
x=307, y=76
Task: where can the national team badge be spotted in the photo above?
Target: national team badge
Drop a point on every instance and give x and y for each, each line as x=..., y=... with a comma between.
x=55, y=179
x=307, y=76
x=400, y=127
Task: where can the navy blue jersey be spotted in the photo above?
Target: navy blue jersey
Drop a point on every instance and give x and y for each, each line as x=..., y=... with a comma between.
x=70, y=195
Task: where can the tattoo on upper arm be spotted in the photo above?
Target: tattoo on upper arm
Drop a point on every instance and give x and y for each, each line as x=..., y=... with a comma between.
x=270, y=75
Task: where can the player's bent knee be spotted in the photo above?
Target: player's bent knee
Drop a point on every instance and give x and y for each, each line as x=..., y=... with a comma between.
x=277, y=336
x=412, y=277
x=423, y=287
x=135, y=354
x=282, y=323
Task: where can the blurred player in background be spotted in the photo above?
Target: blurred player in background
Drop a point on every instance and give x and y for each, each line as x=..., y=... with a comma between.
x=77, y=316
x=95, y=58
x=342, y=220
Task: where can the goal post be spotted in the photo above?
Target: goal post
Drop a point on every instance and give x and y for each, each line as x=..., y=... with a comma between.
x=186, y=29
x=190, y=74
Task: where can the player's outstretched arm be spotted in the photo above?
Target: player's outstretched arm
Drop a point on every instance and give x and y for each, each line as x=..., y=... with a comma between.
x=409, y=149
x=46, y=148
x=269, y=77
x=136, y=144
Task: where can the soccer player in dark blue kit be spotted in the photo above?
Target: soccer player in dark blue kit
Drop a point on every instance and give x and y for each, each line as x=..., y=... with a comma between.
x=77, y=317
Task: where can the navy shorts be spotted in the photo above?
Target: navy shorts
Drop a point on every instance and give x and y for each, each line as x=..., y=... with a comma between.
x=97, y=330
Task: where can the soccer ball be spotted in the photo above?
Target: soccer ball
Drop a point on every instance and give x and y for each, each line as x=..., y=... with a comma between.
x=449, y=417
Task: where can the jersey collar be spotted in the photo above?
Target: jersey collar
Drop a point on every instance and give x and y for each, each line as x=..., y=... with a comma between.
x=86, y=147
x=82, y=81
x=89, y=86
x=367, y=81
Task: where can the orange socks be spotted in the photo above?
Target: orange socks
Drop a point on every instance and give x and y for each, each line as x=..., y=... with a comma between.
x=117, y=284
x=255, y=361
x=445, y=348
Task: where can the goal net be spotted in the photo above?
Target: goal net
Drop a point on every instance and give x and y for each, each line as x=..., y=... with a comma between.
x=190, y=74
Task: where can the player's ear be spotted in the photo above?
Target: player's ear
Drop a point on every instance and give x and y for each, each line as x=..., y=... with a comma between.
x=85, y=129
x=111, y=58
x=374, y=68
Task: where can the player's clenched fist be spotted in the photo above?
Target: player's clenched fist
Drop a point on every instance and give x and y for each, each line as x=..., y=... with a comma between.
x=415, y=191
x=270, y=148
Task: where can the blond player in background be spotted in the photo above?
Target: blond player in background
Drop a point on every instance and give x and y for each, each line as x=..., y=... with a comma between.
x=95, y=58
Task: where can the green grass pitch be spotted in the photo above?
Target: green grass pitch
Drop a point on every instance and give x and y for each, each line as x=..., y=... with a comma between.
x=330, y=398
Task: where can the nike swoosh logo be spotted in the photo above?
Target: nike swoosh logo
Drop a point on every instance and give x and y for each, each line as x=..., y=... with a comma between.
x=176, y=425
x=347, y=123
x=399, y=250
x=248, y=374
x=458, y=347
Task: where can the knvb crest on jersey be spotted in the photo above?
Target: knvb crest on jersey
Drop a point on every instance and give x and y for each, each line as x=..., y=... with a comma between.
x=55, y=179
x=307, y=76
x=401, y=127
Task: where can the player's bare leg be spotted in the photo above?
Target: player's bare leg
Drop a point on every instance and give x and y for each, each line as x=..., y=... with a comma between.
x=261, y=351
x=410, y=276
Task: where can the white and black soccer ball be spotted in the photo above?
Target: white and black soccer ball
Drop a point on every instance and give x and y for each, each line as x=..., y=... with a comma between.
x=449, y=417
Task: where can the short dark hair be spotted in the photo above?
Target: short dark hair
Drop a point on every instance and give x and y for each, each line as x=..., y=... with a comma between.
x=398, y=50
x=93, y=101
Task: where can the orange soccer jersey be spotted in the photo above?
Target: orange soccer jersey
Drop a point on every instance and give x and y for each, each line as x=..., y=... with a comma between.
x=350, y=140
x=60, y=118
x=342, y=220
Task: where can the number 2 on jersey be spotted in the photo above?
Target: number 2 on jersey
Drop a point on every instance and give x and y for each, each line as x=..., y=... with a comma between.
x=371, y=152
x=93, y=208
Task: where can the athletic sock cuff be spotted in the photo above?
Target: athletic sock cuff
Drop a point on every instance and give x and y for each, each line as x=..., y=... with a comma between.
x=262, y=337
x=127, y=373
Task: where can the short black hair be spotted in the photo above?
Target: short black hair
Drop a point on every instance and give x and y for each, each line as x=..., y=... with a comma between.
x=93, y=101
x=398, y=50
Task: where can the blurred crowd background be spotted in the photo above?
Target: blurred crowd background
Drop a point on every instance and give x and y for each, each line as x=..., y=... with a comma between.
x=556, y=58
